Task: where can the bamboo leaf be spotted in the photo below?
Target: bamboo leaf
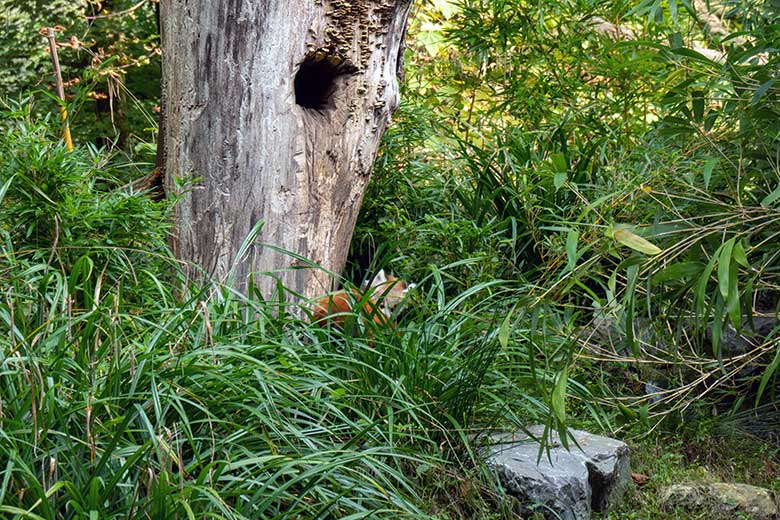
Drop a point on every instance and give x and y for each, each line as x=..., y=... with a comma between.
x=4, y=188
x=559, y=396
x=632, y=276
x=559, y=179
x=760, y=91
x=572, y=239
x=724, y=267
x=701, y=289
x=768, y=373
x=673, y=10
x=559, y=162
x=717, y=328
x=698, y=106
x=739, y=254
x=677, y=271
x=732, y=302
x=771, y=198
x=709, y=166
x=503, y=331
x=635, y=242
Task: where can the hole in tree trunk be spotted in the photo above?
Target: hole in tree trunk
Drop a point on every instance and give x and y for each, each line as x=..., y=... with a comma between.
x=315, y=82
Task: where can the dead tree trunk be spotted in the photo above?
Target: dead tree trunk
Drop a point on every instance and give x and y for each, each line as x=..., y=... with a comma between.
x=277, y=107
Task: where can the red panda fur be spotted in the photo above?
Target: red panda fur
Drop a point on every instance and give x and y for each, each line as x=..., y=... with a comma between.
x=336, y=308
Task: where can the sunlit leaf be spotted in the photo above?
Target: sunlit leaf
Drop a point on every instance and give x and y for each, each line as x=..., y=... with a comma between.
x=447, y=7
x=432, y=37
x=558, y=161
x=635, y=242
x=559, y=179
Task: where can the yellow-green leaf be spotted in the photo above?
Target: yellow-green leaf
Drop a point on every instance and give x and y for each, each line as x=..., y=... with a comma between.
x=559, y=179
x=447, y=8
x=635, y=242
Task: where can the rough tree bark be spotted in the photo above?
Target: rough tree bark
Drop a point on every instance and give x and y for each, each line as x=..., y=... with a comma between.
x=277, y=106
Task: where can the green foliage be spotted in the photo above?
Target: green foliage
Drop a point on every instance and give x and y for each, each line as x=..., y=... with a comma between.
x=68, y=210
x=23, y=53
x=126, y=391
x=586, y=192
x=617, y=162
x=110, y=59
x=668, y=460
x=121, y=397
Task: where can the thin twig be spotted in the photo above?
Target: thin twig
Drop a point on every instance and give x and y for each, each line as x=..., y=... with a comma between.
x=118, y=13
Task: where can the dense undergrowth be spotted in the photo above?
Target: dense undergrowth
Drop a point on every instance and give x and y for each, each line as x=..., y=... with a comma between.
x=121, y=385
x=590, y=217
x=625, y=177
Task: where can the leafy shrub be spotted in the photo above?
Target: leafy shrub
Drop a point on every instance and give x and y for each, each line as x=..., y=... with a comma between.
x=124, y=391
x=122, y=394
x=548, y=135
x=66, y=211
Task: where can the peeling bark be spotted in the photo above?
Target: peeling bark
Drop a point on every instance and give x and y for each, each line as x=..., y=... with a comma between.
x=277, y=106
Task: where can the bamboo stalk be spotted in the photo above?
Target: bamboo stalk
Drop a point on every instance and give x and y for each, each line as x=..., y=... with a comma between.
x=60, y=87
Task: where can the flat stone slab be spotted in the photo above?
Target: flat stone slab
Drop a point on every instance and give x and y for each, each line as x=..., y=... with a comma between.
x=564, y=484
x=722, y=501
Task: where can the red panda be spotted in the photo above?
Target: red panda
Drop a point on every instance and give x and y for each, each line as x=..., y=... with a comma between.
x=377, y=302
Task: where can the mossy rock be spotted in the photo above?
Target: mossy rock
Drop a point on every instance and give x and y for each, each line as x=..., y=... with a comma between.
x=722, y=501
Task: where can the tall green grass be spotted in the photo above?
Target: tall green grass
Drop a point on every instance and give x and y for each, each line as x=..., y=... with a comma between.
x=126, y=393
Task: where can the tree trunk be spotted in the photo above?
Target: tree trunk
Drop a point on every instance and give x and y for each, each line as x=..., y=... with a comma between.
x=277, y=108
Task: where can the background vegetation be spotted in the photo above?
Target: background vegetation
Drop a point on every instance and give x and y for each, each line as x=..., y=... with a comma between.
x=587, y=194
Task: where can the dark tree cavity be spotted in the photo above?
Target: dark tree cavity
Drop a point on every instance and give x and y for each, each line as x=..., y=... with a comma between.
x=278, y=107
x=315, y=82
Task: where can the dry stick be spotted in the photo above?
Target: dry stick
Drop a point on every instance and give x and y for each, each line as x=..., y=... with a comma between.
x=60, y=87
x=118, y=13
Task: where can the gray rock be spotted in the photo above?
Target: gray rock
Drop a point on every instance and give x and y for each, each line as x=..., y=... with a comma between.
x=721, y=501
x=733, y=343
x=558, y=486
x=593, y=476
